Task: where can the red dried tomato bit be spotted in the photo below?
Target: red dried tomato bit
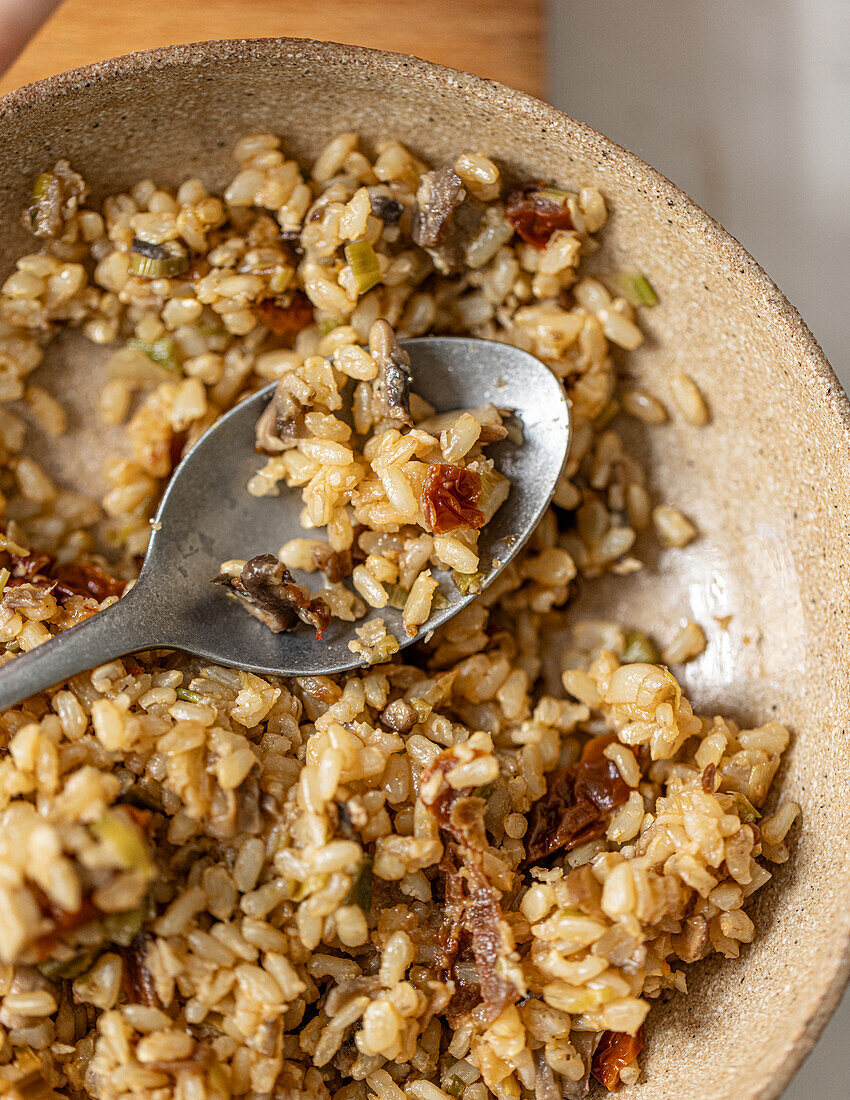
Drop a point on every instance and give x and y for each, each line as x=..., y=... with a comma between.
x=577, y=804
x=320, y=616
x=616, y=1050
x=534, y=216
x=83, y=578
x=450, y=497
x=31, y=568
x=285, y=316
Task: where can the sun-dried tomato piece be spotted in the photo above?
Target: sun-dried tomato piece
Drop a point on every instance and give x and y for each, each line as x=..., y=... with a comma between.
x=74, y=578
x=472, y=903
x=285, y=315
x=578, y=803
x=534, y=216
x=450, y=497
x=27, y=568
x=83, y=578
x=616, y=1050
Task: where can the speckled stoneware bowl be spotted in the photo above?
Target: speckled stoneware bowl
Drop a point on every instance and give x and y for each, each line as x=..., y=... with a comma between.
x=768, y=481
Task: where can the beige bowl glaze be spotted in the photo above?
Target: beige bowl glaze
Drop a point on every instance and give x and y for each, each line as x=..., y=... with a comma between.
x=768, y=481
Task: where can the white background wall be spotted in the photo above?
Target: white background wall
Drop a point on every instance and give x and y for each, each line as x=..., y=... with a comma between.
x=745, y=104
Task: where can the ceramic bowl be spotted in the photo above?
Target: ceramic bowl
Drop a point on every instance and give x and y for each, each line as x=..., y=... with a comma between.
x=768, y=481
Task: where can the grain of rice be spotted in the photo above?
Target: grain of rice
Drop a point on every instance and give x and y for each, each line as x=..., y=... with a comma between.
x=689, y=400
x=689, y=642
x=643, y=406
x=672, y=527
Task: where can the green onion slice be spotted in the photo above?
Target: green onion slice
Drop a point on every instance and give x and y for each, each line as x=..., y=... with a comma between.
x=396, y=596
x=553, y=194
x=635, y=288
x=467, y=583
x=126, y=842
x=640, y=649
x=45, y=184
x=363, y=260
x=329, y=324
x=189, y=696
x=146, y=266
x=162, y=351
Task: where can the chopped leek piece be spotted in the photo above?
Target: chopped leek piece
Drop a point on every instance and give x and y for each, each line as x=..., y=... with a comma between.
x=162, y=351
x=67, y=968
x=189, y=696
x=151, y=267
x=553, y=194
x=455, y=1086
x=363, y=260
x=361, y=885
x=4, y=580
x=640, y=649
x=439, y=602
x=122, y=928
x=281, y=279
x=467, y=583
x=396, y=596
x=41, y=220
x=329, y=325
x=746, y=810
x=635, y=288
x=126, y=842
x=41, y=187
x=485, y=791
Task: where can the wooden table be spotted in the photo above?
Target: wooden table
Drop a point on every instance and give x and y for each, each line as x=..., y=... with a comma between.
x=502, y=39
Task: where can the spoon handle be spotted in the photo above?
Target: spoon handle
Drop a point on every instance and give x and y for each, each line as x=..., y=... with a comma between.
x=110, y=633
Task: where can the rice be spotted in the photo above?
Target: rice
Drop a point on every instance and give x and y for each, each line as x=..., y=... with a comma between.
x=218, y=884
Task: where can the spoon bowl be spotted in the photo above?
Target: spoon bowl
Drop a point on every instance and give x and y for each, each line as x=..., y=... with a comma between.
x=207, y=516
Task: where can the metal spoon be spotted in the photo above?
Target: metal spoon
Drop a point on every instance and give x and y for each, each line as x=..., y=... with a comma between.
x=207, y=516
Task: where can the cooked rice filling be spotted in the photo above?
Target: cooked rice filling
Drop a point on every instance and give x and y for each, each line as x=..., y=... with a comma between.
x=442, y=875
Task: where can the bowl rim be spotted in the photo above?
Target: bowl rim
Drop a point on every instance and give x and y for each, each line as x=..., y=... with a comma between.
x=729, y=256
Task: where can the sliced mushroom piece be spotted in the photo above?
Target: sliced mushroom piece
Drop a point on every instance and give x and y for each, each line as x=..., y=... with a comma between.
x=445, y=219
x=391, y=389
x=384, y=206
x=267, y=589
x=280, y=424
x=334, y=564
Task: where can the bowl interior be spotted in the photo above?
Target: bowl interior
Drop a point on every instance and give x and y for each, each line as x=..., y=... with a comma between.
x=768, y=481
